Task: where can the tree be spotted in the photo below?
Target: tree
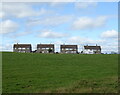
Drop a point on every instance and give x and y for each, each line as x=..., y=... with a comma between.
x=50, y=50
x=81, y=51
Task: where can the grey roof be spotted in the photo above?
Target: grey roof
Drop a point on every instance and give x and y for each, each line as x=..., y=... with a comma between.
x=22, y=45
x=92, y=47
x=45, y=45
x=68, y=46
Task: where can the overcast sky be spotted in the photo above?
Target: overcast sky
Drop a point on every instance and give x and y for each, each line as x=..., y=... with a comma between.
x=60, y=23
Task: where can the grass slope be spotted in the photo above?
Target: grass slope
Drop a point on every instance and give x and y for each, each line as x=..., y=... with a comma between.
x=66, y=73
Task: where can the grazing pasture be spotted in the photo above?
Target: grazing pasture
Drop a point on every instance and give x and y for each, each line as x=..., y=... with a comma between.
x=59, y=73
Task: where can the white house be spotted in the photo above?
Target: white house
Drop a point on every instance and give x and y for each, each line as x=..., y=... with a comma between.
x=92, y=49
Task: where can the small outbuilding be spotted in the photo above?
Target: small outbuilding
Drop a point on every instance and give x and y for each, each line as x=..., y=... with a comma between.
x=26, y=48
x=68, y=49
x=45, y=48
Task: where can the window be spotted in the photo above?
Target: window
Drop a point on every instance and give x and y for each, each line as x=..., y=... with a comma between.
x=23, y=51
x=67, y=49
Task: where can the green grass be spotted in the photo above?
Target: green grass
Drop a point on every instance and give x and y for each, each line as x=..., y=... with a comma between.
x=59, y=73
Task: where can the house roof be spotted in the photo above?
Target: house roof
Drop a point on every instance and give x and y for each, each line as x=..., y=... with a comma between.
x=45, y=45
x=68, y=46
x=92, y=47
x=22, y=45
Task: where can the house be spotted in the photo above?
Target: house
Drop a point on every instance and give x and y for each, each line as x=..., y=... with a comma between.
x=68, y=49
x=45, y=48
x=26, y=48
x=92, y=49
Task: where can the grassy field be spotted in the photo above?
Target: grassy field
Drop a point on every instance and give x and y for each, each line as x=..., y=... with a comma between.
x=59, y=73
